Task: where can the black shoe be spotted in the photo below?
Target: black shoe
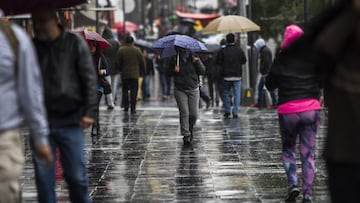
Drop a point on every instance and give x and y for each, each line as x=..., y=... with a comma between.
x=226, y=115
x=133, y=111
x=110, y=107
x=126, y=109
x=292, y=194
x=235, y=116
x=187, y=140
x=307, y=200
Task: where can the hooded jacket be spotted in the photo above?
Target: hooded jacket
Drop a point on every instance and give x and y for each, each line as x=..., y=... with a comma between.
x=110, y=53
x=265, y=55
x=294, y=73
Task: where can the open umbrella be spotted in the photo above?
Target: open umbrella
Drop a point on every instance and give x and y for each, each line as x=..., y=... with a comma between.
x=93, y=36
x=143, y=44
x=129, y=26
x=166, y=45
x=14, y=7
x=230, y=24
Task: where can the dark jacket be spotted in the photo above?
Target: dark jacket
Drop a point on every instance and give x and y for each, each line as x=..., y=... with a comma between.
x=101, y=63
x=188, y=76
x=231, y=59
x=110, y=53
x=338, y=44
x=265, y=60
x=295, y=75
x=69, y=79
x=130, y=62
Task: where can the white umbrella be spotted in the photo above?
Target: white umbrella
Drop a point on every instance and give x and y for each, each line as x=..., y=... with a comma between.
x=230, y=24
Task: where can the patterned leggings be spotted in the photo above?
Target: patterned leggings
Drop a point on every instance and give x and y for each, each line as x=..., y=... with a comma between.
x=304, y=124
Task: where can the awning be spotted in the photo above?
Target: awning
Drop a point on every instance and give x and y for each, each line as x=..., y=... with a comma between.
x=202, y=17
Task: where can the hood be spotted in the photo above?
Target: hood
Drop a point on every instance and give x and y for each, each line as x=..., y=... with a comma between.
x=259, y=43
x=292, y=33
x=107, y=34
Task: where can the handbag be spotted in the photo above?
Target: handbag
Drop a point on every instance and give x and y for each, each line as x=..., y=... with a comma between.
x=104, y=82
x=106, y=85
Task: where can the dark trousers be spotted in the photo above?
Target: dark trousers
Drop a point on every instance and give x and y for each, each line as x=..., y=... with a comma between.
x=129, y=86
x=344, y=181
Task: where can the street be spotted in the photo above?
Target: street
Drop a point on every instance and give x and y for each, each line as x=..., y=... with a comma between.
x=141, y=158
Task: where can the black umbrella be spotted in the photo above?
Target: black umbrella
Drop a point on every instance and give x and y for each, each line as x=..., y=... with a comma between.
x=14, y=7
x=143, y=44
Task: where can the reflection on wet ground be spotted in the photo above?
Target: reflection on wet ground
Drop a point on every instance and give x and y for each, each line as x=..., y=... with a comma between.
x=141, y=158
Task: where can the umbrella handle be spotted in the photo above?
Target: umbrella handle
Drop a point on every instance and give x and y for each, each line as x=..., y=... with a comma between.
x=177, y=59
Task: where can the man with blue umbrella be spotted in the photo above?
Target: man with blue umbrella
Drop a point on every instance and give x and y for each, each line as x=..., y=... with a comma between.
x=186, y=68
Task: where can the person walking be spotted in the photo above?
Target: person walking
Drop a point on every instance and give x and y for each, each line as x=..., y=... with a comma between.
x=104, y=86
x=265, y=55
x=112, y=75
x=131, y=63
x=186, y=71
x=336, y=40
x=294, y=74
x=231, y=58
x=70, y=89
x=148, y=75
x=21, y=99
x=164, y=78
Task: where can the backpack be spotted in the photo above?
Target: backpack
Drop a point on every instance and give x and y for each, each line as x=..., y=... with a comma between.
x=14, y=42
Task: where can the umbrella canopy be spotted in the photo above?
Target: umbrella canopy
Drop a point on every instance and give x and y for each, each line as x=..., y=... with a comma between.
x=143, y=44
x=14, y=7
x=230, y=24
x=93, y=36
x=166, y=45
x=129, y=26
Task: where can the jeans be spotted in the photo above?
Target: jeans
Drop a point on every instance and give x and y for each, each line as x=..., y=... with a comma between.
x=304, y=125
x=70, y=142
x=235, y=86
x=165, y=83
x=260, y=92
x=146, y=86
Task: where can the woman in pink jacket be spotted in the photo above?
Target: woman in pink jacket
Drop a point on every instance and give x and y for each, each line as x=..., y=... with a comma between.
x=294, y=75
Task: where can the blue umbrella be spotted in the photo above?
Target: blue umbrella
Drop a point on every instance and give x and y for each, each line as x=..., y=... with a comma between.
x=166, y=45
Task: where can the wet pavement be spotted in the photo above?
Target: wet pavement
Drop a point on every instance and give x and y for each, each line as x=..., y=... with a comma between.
x=141, y=158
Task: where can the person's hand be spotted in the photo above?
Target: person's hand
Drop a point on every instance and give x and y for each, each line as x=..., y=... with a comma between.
x=177, y=69
x=86, y=122
x=44, y=153
x=102, y=72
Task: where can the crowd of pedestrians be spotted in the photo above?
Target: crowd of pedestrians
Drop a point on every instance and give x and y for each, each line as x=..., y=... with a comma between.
x=61, y=79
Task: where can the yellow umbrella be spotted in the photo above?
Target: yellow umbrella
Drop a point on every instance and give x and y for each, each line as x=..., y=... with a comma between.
x=230, y=24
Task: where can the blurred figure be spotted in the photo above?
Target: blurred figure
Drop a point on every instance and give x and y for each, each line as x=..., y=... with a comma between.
x=213, y=76
x=186, y=74
x=336, y=37
x=149, y=73
x=102, y=69
x=131, y=63
x=21, y=99
x=165, y=78
x=231, y=58
x=70, y=83
x=265, y=55
x=113, y=75
x=294, y=74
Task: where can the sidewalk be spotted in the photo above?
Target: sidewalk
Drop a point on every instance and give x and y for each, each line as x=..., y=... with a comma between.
x=141, y=158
